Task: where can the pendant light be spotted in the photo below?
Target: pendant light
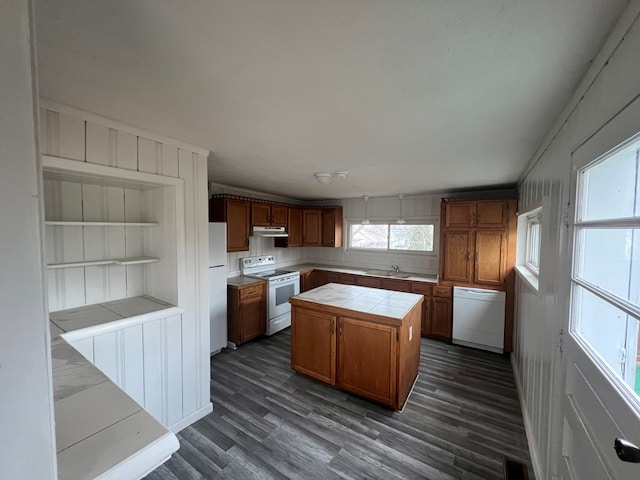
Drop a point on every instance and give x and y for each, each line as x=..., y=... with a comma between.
x=400, y=219
x=365, y=220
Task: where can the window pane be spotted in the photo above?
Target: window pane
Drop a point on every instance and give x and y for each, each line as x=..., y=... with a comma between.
x=610, y=258
x=411, y=237
x=369, y=236
x=609, y=186
x=611, y=333
x=534, y=244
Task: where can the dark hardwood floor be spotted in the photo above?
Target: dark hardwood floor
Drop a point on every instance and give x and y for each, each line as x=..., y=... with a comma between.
x=269, y=422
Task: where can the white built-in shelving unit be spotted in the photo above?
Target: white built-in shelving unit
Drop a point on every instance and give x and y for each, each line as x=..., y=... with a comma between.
x=126, y=251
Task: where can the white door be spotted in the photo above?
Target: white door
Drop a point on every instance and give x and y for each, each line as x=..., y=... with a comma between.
x=601, y=401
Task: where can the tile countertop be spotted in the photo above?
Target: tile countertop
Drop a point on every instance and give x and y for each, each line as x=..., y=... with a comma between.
x=374, y=301
x=241, y=281
x=100, y=431
x=359, y=271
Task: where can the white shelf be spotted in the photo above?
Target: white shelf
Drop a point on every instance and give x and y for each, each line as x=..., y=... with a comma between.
x=101, y=224
x=111, y=261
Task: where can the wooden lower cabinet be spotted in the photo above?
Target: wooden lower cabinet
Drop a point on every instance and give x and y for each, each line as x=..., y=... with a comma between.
x=313, y=344
x=367, y=359
x=246, y=312
x=441, y=313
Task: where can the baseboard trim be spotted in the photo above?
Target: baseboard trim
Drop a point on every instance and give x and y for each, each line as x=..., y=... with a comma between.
x=194, y=417
x=528, y=426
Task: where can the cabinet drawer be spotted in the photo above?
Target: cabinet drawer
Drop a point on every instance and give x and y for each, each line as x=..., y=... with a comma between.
x=251, y=292
x=444, y=292
x=347, y=279
x=333, y=277
x=421, y=288
x=396, y=285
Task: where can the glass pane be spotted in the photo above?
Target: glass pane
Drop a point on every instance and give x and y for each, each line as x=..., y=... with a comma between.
x=411, y=237
x=284, y=293
x=609, y=187
x=610, y=258
x=534, y=244
x=369, y=236
x=611, y=333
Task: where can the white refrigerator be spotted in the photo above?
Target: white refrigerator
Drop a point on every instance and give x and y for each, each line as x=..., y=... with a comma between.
x=217, y=286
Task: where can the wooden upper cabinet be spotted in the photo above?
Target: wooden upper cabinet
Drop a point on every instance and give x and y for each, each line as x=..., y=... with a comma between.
x=459, y=214
x=332, y=227
x=236, y=214
x=477, y=244
x=492, y=214
x=294, y=227
x=267, y=215
x=311, y=228
x=477, y=214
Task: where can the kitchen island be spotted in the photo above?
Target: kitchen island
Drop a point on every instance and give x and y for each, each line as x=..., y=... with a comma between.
x=362, y=340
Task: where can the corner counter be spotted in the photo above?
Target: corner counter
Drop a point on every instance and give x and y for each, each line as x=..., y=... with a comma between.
x=362, y=340
x=101, y=432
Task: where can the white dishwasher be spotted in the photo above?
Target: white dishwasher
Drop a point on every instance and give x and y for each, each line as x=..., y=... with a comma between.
x=478, y=318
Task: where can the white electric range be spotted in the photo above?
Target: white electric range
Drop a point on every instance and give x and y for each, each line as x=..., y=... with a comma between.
x=283, y=284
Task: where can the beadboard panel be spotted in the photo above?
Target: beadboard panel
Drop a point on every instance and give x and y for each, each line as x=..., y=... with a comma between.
x=146, y=362
x=611, y=84
x=180, y=278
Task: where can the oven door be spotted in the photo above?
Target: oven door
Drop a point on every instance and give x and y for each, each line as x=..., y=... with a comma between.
x=279, y=294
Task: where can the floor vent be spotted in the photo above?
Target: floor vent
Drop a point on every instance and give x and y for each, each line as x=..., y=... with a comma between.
x=515, y=469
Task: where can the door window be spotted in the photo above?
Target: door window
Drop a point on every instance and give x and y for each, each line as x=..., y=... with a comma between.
x=606, y=269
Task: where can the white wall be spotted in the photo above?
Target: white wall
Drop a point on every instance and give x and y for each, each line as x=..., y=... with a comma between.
x=27, y=441
x=611, y=83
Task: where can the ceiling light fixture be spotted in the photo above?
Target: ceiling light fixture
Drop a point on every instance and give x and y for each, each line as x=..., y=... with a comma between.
x=365, y=220
x=400, y=219
x=326, y=177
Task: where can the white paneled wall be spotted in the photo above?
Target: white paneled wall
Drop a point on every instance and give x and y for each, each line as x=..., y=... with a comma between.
x=612, y=82
x=145, y=361
x=420, y=207
x=177, y=346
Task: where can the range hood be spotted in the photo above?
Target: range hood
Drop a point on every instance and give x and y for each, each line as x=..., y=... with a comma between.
x=273, y=232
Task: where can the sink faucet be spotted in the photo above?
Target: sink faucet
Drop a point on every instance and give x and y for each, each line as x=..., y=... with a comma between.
x=396, y=268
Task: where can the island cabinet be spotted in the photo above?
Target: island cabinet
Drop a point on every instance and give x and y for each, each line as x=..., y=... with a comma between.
x=267, y=215
x=363, y=346
x=236, y=214
x=246, y=312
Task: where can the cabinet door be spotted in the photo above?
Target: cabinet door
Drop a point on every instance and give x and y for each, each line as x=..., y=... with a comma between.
x=371, y=282
x=425, y=325
x=305, y=281
x=492, y=214
x=278, y=216
x=311, y=226
x=252, y=319
x=237, y=218
x=319, y=278
x=441, y=318
x=459, y=214
x=313, y=344
x=456, y=256
x=367, y=359
x=294, y=229
x=260, y=214
x=332, y=227
x=333, y=277
x=490, y=257
x=396, y=285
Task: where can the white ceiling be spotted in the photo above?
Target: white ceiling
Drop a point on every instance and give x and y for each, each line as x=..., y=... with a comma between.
x=408, y=96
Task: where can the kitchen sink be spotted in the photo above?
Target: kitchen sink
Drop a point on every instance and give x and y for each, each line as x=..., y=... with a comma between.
x=388, y=273
x=383, y=273
x=401, y=275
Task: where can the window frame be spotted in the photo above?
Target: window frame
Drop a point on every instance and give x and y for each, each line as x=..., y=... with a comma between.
x=589, y=155
x=427, y=221
x=534, y=219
